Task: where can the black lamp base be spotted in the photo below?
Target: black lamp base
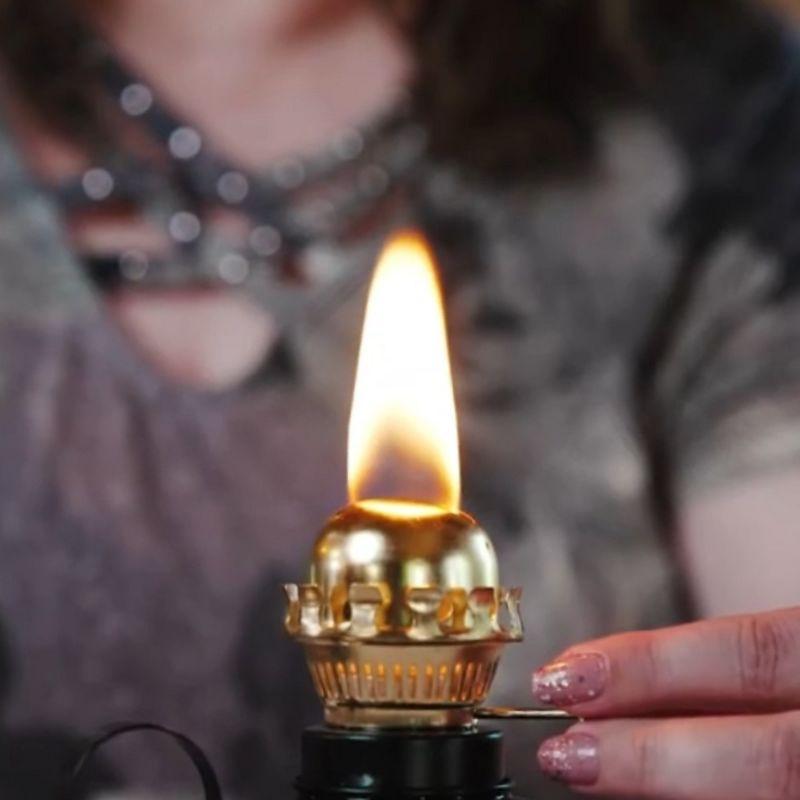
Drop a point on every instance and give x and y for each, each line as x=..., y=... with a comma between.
x=341, y=764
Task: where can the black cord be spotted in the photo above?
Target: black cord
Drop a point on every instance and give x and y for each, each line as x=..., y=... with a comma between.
x=203, y=766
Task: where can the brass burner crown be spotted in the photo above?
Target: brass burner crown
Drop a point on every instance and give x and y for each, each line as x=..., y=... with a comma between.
x=403, y=619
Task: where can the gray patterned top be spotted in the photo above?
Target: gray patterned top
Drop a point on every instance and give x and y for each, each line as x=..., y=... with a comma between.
x=145, y=527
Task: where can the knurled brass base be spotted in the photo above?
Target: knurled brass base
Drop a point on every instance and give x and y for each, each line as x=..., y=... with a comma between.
x=394, y=717
x=403, y=684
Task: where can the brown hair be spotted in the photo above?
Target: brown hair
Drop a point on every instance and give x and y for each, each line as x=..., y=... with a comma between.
x=51, y=61
x=528, y=71
x=526, y=76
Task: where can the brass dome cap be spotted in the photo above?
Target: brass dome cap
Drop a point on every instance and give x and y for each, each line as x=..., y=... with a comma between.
x=400, y=571
x=362, y=545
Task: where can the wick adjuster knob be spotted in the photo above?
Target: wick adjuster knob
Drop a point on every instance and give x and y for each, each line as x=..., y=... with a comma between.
x=528, y=714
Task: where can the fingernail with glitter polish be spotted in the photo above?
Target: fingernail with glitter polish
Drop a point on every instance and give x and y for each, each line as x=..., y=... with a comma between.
x=572, y=758
x=577, y=678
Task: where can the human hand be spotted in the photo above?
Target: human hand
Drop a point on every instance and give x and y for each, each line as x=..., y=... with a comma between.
x=704, y=711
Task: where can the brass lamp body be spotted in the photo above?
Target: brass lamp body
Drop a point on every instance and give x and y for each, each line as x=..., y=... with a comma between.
x=403, y=620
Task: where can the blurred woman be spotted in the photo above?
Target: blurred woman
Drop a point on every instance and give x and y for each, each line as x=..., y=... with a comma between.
x=191, y=201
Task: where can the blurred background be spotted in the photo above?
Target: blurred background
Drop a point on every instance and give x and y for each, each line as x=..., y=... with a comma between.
x=192, y=200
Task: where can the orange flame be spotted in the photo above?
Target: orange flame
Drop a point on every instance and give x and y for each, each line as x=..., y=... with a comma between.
x=403, y=440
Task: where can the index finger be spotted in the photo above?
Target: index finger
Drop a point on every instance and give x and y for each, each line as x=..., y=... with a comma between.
x=734, y=664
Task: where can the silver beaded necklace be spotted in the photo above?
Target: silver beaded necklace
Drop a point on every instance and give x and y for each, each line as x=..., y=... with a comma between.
x=293, y=205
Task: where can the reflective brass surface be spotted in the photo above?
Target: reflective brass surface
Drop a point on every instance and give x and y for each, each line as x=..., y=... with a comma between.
x=394, y=716
x=362, y=546
x=418, y=680
x=403, y=619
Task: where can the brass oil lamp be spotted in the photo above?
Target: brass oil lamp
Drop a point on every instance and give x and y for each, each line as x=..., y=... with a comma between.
x=404, y=618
